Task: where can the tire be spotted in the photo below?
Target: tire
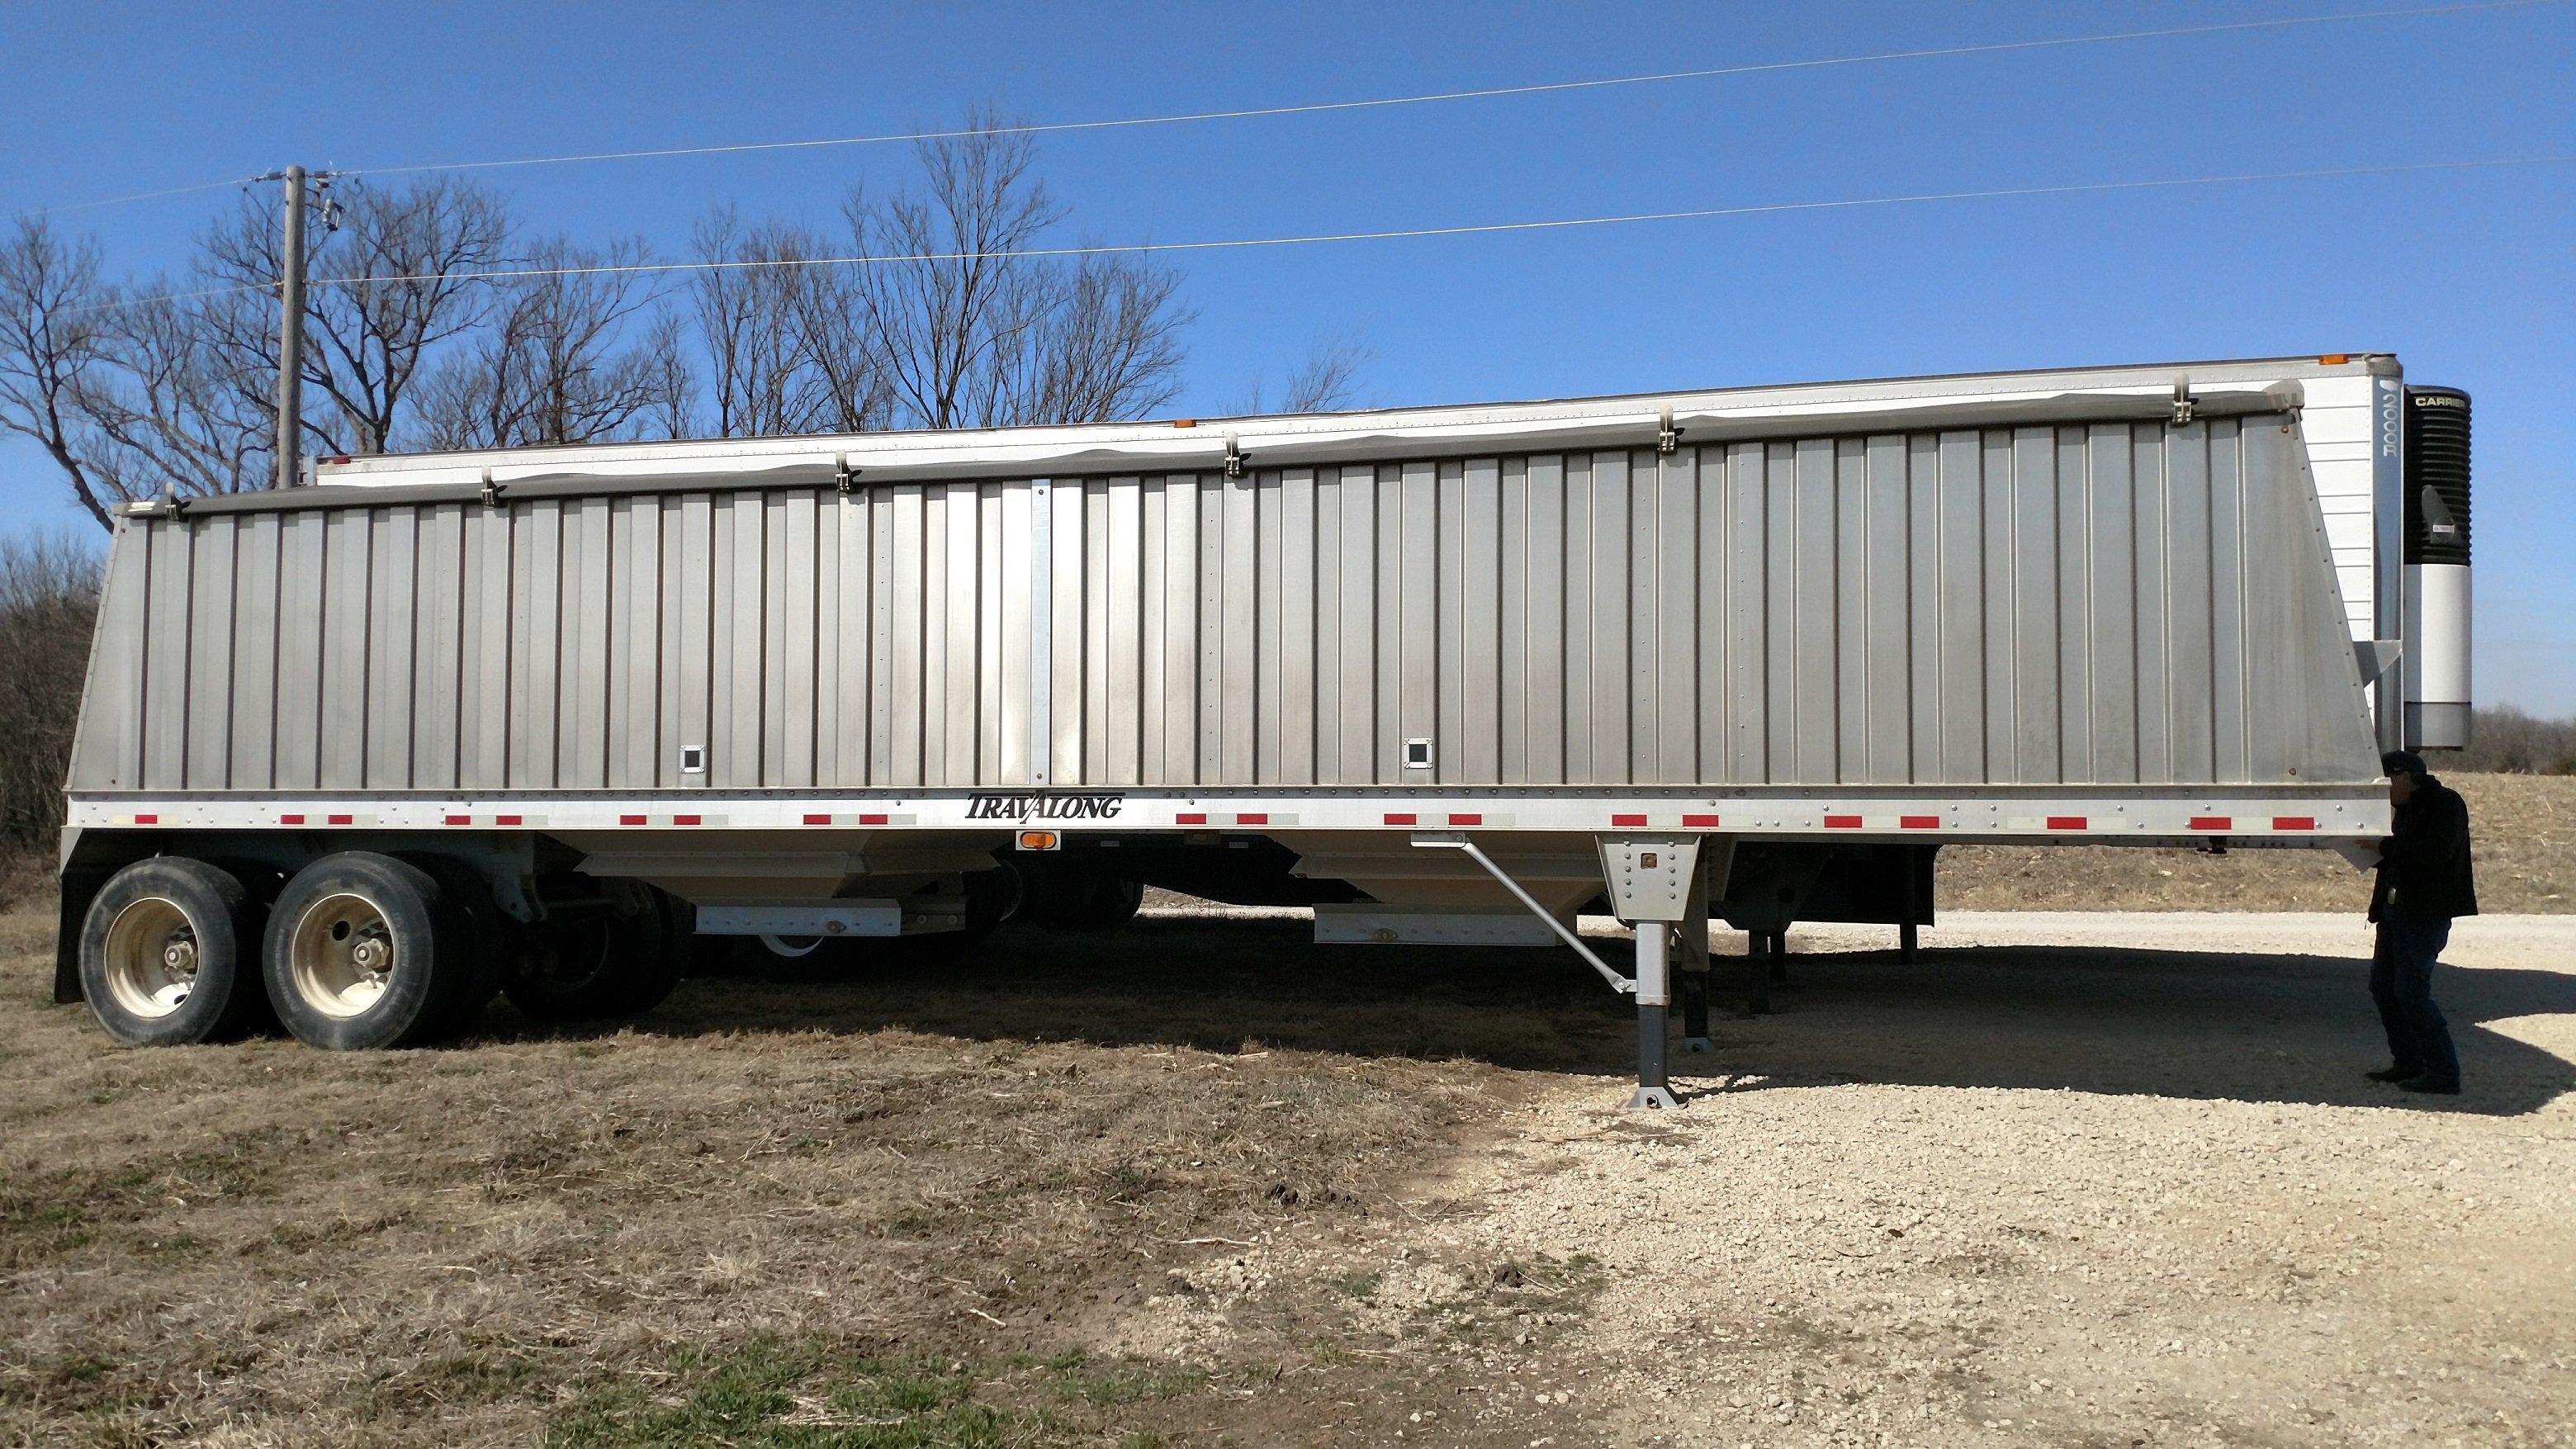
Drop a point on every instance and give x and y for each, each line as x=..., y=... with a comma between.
x=611, y=963
x=169, y=954
x=680, y=937
x=802, y=960
x=488, y=939
x=261, y=881
x=994, y=898
x=365, y=952
x=1087, y=898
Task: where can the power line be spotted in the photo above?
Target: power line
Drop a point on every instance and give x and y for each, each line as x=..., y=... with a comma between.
x=1392, y=234
x=1469, y=229
x=1487, y=93
x=1374, y=103
x=137, y=196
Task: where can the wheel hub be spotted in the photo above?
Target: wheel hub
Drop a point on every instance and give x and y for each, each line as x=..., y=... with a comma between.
x=343, y=955
x=151, y=953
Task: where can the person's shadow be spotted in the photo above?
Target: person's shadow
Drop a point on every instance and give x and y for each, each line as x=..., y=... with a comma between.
x=2285, y=1028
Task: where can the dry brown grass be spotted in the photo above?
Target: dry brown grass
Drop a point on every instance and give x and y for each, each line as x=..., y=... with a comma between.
x=905, y=1205
x=922, y=1165
x=2524, y=827
x=26, y=880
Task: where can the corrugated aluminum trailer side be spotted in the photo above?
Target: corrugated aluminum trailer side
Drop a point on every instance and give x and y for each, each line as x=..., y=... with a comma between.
x=1460, y=678
x=2109, y=603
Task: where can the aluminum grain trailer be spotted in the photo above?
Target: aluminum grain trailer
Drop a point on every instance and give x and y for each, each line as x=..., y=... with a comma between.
x=369, y=750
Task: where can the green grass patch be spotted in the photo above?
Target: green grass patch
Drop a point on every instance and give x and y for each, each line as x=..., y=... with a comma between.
x=476, y=1379
x=776, y=1394
x=1109, y=1385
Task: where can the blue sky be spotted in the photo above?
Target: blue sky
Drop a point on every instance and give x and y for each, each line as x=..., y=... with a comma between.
x=2470, y=278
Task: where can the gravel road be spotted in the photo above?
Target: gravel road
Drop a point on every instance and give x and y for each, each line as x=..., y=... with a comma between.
x=2078, y=1179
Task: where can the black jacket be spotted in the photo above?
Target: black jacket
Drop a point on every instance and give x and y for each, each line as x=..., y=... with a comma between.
x=2424, y=867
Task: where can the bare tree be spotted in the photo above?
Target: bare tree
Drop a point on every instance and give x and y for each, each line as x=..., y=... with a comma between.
x=969, y=332
x=549, y=367
x=1321, y=383
x=51, y=347
x=1104, y=344
x=170, y=413
x=748, y=312
x=125, y=392
x=2513, y=741
x=394, y=274
x=671, y=380
x=48, y=602
x=411, y=337
x=834, y=347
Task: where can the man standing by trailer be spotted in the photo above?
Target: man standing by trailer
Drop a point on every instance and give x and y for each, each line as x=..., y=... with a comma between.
x=2424, y=883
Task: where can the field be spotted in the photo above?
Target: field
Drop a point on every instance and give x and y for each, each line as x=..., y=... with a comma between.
x=2091, y=1179
x=2524, y=828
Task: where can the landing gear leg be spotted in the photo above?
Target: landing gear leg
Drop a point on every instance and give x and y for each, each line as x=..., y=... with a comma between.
x=1658, y=885
x=1757, y=973
x=1654, y=1009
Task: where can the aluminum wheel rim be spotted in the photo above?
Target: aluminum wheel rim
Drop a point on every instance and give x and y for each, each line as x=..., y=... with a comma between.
x=151, y=958
x=343, y=955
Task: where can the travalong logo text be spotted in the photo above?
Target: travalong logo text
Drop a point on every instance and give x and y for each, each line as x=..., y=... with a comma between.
x=1081, y=805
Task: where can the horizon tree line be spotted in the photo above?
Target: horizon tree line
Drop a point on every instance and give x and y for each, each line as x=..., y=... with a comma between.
x=168, y=384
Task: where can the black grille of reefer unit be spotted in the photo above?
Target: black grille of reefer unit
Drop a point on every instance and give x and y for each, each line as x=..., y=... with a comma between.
x=2437, y=475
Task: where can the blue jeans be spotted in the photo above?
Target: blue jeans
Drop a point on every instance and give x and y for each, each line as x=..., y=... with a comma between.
x=2401, y=981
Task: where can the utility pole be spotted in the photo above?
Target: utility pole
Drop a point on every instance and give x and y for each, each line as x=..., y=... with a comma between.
x=290, y=334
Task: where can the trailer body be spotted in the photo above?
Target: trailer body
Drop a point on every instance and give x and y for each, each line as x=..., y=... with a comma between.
x=790, y=681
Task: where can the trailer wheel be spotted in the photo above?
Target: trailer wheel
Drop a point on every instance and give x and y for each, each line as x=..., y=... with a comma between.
x=167, y=954
x=364, y=952
x=591, y=967
x=797, y=960
x=484, y=936
x=994, y=898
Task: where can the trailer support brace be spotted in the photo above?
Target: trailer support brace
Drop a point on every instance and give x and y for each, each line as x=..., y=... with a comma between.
x=1468, y=848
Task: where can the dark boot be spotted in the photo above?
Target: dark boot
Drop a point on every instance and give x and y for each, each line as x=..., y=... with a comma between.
x=2437, y=1086
x=2395, y=1074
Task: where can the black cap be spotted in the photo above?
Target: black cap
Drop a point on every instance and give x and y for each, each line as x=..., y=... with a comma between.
x=2405, y=761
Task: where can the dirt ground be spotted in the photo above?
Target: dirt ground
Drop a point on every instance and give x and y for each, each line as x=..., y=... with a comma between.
x=2524, y=827
x=2092, y=1180
x=2068, y=1180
